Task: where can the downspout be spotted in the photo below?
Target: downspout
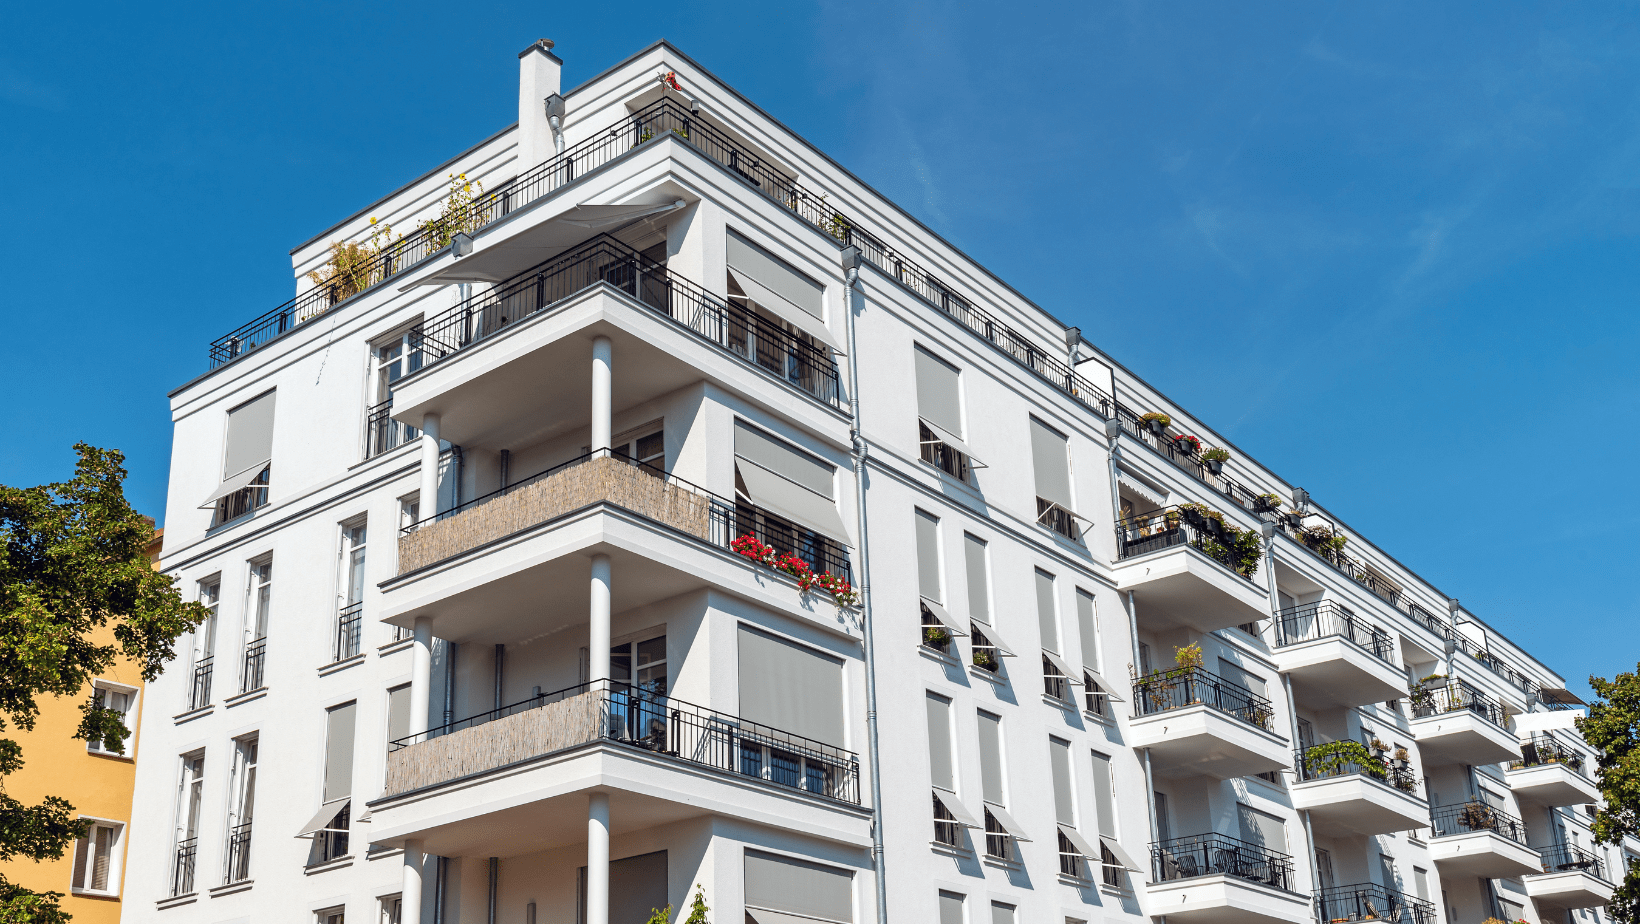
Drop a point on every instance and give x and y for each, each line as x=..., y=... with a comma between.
x=1269, y=532
x=851, y=275
x=1150, y=780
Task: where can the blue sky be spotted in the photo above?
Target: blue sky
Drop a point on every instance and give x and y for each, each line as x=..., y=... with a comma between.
x=1389, y=249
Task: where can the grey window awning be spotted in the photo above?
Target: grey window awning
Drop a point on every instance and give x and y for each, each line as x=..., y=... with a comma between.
x=779, y=306
x=1105, y=686
x=1141, y=490
x=950, y=439
x=957, y=809
x=1125, y=860
x=1079, y=842
x=791, y=500
x=327, y=814
x=1063, y=666
x=1015, y=829
x=990, y=633
x=765, y=916
x=234, y=483
x=945, y=619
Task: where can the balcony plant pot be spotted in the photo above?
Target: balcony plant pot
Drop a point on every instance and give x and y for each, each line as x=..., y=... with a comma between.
x=1295, y=520
x=1215, y=466
x=1194, y=519
x=1155, y=427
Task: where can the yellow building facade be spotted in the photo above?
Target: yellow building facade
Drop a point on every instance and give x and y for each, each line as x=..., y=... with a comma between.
x=97, y=783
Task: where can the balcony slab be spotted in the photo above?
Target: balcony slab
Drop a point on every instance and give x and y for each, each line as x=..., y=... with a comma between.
x=1483, y=854
x=1568, y=889
x=1200, y=740
x=1334, y=672
x=1552, y=785
x=1462, y=737
x=1356, y=804
x=1225, y=899
x=1180, y=586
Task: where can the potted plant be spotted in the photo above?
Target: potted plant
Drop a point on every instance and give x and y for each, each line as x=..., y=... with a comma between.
x=1188, y=445
x=984, y=659
x=1295, y=520
x=936, y=637
x=1477, y=817
x=1155, y=422
x=1215, y=458
x=1266, y=503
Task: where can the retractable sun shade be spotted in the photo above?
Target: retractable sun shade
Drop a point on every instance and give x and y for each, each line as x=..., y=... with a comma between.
x=1063, y=667
x=945, y=619
x=779, y=289
x=1123, y=858
x=1079, y=842
x=939, y=401
x=788, y=482
x=1104, y=685
x=1015, y=829
x=957, y=809
x=321, y=821
x=249, y=446
x=990, y=633
x=1140, y=490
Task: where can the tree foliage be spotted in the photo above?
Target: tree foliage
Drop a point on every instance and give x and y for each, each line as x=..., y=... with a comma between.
x=72, y=565
x=1613, y=729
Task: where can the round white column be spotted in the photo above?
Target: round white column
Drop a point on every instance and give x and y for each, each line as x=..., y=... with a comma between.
x=421, y=673
x=603, y=362
x=410, y=890
x=598, y=858
x=598, y=617
x=429, y=467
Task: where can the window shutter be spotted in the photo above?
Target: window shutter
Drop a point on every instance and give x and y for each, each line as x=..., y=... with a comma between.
x=1102, y=786
x=748, y=259
x=1046, y=618
x=790, y=687
x=1262, y=828
x=990, y=757
x=798, y=887
x=1059, y=753
x=950, y=908
x=339, y=727
x=938, y=396
x=979, y=589
x=939, y=742
x=398, y=713
x=637, y=887
x=1088, y=628
x=1051, y=460
x=783, y=459
x=928, y=556
x=1002, y=914
x=250, y=435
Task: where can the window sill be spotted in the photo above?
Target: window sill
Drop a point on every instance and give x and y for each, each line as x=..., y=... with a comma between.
x=95, y=896
x=1115, y=890
x=339, y=666
x=402, y=449
x=984, y=674
x=1097, y=718
x=328, y=865
x=1048, y=699
x=934, y=654
x=232, y=887
x=177, y=901
x=121, y=758
x=1075, y=882
x=960, y=853
x=1000, y=863
x=384, y=854
x=193, y=714
x=392, y=647
x=242, y=698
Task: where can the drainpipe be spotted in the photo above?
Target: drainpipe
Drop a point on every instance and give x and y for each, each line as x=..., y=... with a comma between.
x=555, y=120
x=495, y=882
x=852, y=260
x=450, y=649
x=1150, y=780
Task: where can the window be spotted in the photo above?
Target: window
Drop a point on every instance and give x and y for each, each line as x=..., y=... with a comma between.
x=1064, y=798
x=785, y=497
x=392, y=910
x=244, y=810
x=928, y=556
x=1002, y=913
x=115, y=699
x=951, y=907
x=1047, y=610
x=1420, y=882
x=646, y=448
x=350, y=605
x=787, y=885
x=398, y=713
x=259, y=601
x=246, y=461
x=939, y=742
x=190, y=798
x=396, y=357
x=1050, y=458
x=645, y=657
x=331, y=916
x=777, y=290
x=1070, y=861
x=979, y=579
x=1262, y=828
x=637, y=886
x=1087, y=627
x=330, y=827
x=796, y=691
x=97, y=858
x=199, y=691
x=947, y=829
x=990, y=757
x=939, y=411
x=409, y=510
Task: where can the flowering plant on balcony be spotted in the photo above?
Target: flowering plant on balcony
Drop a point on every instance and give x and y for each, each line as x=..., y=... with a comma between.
x=669, y=80
x=1335, y=758
x=841, y=591
x=1188, y=444
x=1423, y=692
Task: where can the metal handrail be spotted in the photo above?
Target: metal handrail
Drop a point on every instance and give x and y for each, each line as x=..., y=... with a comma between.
x=644, y=716
x=1326, y=619
x=1453, y=820
x=256, y=654
x=1369, y=901
x=239, y=854
x=1543, y=750
x=1210, y=854
x=349, y=628
x=382, y=433
x=1164, y=691
x=1457, y=696
x=1566, y=858
x=199, y=694
x=1181, y=454
x=182, y=872
x=1174, y=526
x=1316, y=763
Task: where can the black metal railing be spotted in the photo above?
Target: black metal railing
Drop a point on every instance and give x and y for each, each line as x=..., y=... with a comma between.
x=244, y=500
x=788, y=355
x=182, y=867
x=1457, y=696
x=1188, y=457
x=1210, y=854
x=1057, y=518
x=331, y=842
x=1163, y=691
x=1544, y=749
x=1369, y=901
x=199, y=692
x=1326, y=619
x=1056, y=684
x=647, y=718
x=1070, y=859
x=1328, y=761
x=1111, y=868
x=935, y=452
x=1565, y=858
x=947, y=830
x=998, y=842
x=1451, y=820
x=382, y=433
x=256, y=655
x=1322, y=542
x=239, y=854
x=727, y=520
x=1175, y=526
x=349, y=628
x=1475, y=653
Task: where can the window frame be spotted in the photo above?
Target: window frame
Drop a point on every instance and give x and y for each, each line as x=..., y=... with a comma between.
x=116, y=858
x=131, y=706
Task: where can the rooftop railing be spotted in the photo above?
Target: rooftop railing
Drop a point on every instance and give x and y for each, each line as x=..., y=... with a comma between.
x=1326, y=619
x=1328, y=761
x=1181, y=687
x=1186, y=456
x=1453, y=820
x=605, y=260
x=1369, y=901
x=634, y=716
x=1565, y=858
x=1210, y=854
x=1457, y=697
x=1175, y=526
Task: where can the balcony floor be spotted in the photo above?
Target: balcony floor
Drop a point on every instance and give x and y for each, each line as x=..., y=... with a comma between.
x=1225, y=899
x=1180, y=586
x=1462, y=737
x=1569, y=889
x=1553, y=785
x=1201, y=740
x=1483, y=854
x=1333, y=672
x=1355, y=805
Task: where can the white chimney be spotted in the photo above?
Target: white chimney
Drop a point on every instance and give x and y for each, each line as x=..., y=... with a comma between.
x=538, y=70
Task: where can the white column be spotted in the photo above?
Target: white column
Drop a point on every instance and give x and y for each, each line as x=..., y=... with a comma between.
x=410, y=891
x=421, y=673
x=429, y=467
x=603, y=360
x=598, y=857
x=598, y=616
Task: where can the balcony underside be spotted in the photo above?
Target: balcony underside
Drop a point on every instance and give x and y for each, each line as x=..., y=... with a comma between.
x=1225, y=899
x=532, y=380
x=538, y=580
x=1462, y=737
x=541, y=804
x=1483, y=854
x=1180, y=586
x=1353, y=804
x=1570, y=889
x=1553, y=785
x=1332, y=672
x=1203, y=741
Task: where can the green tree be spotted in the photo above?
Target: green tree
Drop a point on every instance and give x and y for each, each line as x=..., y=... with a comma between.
x=72, y=563
x=1613, y=728
x=698, y=909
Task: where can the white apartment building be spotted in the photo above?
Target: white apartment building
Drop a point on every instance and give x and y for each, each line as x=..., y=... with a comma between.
x=493, y=531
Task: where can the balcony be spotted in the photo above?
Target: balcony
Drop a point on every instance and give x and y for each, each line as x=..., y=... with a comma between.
x=1349, y=791
x=1550, y=774
x=515, y=780
x=1216, y=879
x=665, y=537
x=1195, y=722
x=1458, y=724
x=1371, y=902
x=1187, y=569
x=1474, y=839
x=1187, y=456
x=1336, y=658
x=1326, y=544
x=1571, y=878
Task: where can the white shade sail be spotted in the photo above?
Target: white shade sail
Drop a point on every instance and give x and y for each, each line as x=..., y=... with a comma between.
x=1015, y=829
x=234, y=483
x=939, y=612
x=957, y=809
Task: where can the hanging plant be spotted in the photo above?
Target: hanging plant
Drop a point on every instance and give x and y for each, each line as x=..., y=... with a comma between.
x=1335, y=758
x=1266, y=503
x=841, y=591
x=1215, y=458
x=1188, y=445
x=1155, y=422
